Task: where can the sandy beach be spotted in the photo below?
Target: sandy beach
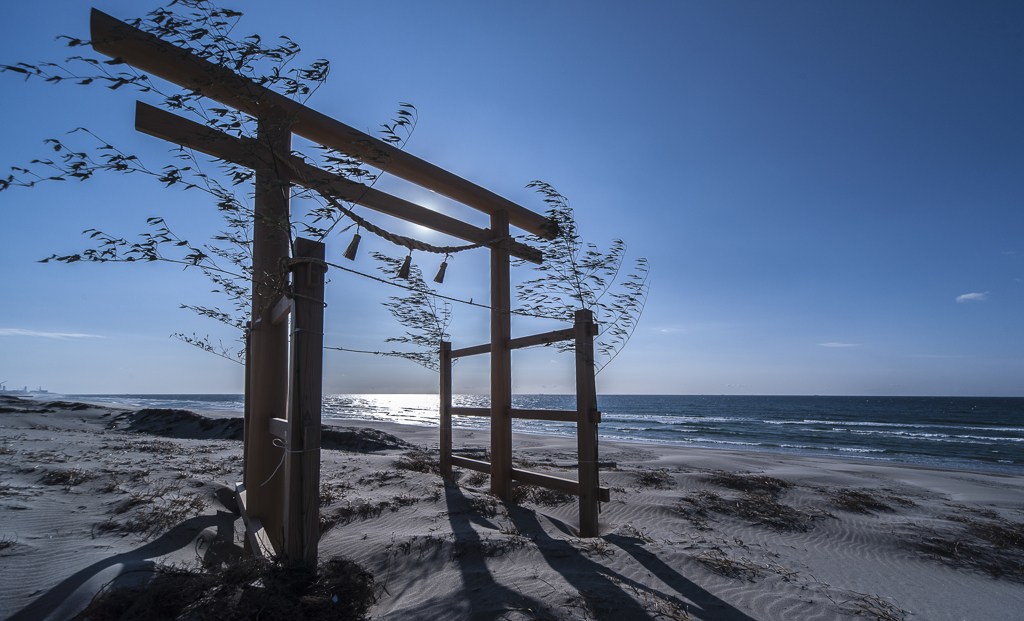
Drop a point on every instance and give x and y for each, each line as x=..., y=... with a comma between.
x=91, y=492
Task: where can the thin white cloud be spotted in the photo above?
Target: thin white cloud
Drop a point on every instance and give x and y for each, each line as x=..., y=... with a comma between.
x=839, y=344
x=972, y=297
x=46, y=335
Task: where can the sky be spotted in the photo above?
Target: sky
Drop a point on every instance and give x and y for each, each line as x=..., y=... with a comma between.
x=829, y=193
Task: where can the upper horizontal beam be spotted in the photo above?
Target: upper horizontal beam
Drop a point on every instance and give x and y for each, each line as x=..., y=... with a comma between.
x=150, y=54
x=249, y=153
x=471, y=351
x=541, y=339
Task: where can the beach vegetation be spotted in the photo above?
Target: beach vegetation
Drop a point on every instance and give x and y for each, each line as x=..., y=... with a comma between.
x=756, y=507
x=745, y=482
x=67, y=478
x=522, y=493
x=154, y=509
x=657, y=479
x=993, y=546
x=420, y=461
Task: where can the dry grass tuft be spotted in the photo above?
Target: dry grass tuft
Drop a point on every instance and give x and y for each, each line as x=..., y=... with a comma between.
x=759, y=508
x=995, y=547
x=856, y=501
x=751, y=483
x=477, y=479
x=154, y=510
x=658, y=479
x=329, y=492
x=420, y=461
x=539, y=496
x=67, y=478
x=869, y=606
x=338, y=589
x=724, y=565
x=365, y=510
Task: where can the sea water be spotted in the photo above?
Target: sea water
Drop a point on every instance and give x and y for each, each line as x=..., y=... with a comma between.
x=984, y=433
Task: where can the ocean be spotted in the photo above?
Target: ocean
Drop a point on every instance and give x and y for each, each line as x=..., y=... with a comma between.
x=978, y=433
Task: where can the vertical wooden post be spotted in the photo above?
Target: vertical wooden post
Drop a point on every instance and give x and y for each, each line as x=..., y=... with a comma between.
x=445, y=362
x=246, y=546
x=586, y=424
x=501, y=362
x=267, y=364
x=302, y=462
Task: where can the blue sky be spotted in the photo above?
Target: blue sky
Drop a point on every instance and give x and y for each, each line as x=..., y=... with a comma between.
x=829, y=193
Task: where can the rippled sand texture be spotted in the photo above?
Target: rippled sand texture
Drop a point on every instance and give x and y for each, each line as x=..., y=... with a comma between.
x=90, y=493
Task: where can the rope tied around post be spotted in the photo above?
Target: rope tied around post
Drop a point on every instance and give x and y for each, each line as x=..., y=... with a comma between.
x=281, y=445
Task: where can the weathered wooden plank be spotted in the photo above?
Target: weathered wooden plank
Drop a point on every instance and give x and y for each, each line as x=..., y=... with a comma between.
x=548, y=481
x=472, y=351
x=268, y=349
x=249, y=153
x=586, y=428
x=501, y=362
x=279, y=428
x=471, y=464
x=255, y=534
x=565, y=416
x=445, y=363
x=302, y=462
x=539, y=339
x=144, y=51
x=461, y=411
x=281, y=310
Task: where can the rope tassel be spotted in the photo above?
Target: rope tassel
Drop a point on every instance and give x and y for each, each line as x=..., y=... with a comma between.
x=350, y=252
x=404, y=272
x=440, y=272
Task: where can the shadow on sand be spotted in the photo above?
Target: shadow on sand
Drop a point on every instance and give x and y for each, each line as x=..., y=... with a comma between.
x=136, y=564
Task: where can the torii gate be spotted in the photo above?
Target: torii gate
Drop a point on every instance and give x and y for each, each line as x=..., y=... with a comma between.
x=293, y=533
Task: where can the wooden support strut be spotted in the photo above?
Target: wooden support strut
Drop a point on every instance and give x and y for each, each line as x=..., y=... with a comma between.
x=267, y=364
x=586, y=427
x=302, y=460
x=146, y=52
x=501, y=363
x=446, y=409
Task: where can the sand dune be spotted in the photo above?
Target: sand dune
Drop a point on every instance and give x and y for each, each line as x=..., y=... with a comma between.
x=90, y=492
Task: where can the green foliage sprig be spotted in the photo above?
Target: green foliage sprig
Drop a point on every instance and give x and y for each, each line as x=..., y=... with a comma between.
x=578, y=275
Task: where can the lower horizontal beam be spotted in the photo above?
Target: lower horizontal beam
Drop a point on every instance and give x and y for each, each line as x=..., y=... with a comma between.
x=564, y=416
x=567, y=486
x=559, y=484
x=471, y=464
x=484, y=412
x=566, y=334
x=471, y=351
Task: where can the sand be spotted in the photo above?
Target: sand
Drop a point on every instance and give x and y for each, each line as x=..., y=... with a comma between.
x=91, y=492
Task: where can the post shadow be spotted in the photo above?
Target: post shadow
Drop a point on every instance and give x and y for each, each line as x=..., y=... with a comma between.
x=578, y=570
x=475, y=574
x=707, y=605
x=134, y=560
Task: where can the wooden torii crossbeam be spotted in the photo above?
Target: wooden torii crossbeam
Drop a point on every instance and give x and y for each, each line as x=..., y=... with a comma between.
x=281, y=512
